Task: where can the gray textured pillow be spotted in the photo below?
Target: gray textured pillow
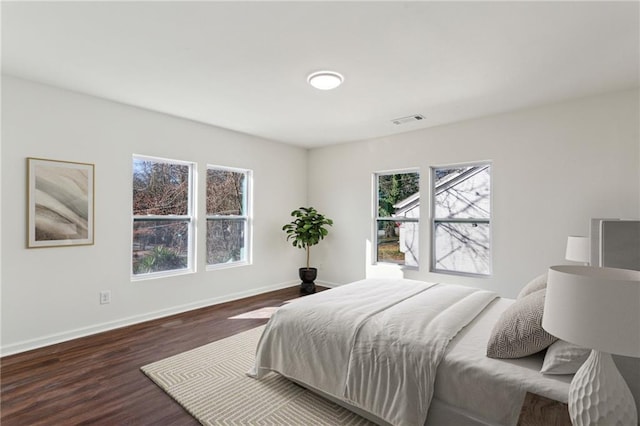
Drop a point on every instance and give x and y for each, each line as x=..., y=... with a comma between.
x=564, y=358
x=538, y=283
x=518, y=332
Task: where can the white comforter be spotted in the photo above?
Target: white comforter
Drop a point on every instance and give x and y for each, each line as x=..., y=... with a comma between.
x=375, y=344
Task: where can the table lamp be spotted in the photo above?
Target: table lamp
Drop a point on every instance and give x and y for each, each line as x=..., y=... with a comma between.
x=578, y=249
x=599, y=309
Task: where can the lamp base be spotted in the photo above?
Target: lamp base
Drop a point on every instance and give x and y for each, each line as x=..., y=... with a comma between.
x=598, y=394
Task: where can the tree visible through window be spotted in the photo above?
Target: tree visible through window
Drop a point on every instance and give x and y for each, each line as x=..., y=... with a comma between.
x=398, y=213
x=227, y=216
x=461, y=202
x=162, y=216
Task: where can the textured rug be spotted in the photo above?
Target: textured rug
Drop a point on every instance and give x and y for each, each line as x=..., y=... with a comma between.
x=262, y=313
x=210, y=382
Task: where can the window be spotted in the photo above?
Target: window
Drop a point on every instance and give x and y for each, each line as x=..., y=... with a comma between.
x=397, y=216
x=461, y=233
x=228, y=212
x=163, y=217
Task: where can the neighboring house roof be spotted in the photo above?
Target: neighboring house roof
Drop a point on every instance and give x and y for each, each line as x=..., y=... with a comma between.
x=413, y=201
x=455, y=178
x=409, y=203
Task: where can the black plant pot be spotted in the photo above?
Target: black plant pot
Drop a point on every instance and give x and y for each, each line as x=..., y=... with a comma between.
x=307, y=275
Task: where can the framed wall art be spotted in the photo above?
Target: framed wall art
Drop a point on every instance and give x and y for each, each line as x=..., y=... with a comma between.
x=60, y=203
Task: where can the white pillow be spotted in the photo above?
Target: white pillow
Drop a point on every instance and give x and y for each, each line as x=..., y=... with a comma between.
x=538, y=283
x=564, y=358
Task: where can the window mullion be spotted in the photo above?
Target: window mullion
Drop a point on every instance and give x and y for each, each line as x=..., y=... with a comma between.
x=168, y=217
x=460, y=220
x=227, y=217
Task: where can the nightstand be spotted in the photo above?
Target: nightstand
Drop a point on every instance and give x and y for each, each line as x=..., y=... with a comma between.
x=540, y=411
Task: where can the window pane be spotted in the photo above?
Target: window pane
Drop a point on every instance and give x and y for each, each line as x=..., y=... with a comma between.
x=398, y=195
x=160, y=245
x=225, y=241
x=462, y=192
x=160, y=188
x=397, y=242
x=226, y=192
x=462, y=247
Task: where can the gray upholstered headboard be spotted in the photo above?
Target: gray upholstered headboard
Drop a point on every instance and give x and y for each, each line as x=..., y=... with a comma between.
x=630, y=370
x=615, y=243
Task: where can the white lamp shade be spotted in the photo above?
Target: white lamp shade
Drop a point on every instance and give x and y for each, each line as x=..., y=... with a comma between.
x=597, y=308
x=578, y=249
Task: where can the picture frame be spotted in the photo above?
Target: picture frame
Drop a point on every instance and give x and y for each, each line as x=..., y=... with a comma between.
x=60, y=203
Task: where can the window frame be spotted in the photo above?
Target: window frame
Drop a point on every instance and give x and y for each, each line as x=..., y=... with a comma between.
x=190, y=218
x=377, y=218
x=247, y=218
x=434, y=220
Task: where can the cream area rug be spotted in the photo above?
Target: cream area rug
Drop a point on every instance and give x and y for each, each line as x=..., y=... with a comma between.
x=262, y=313
x=210, y=382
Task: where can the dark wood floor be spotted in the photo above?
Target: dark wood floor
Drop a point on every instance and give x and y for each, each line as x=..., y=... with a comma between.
x=97, y=379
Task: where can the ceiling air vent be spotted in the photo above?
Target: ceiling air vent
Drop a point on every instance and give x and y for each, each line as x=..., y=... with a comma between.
x=407, y=119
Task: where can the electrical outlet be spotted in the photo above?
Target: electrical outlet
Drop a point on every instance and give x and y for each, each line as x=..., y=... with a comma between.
x=105, y=297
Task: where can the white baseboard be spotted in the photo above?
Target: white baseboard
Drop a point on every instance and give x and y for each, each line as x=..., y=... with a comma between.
x=27, y=345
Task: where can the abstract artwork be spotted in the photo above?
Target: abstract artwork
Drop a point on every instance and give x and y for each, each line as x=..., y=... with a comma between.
x=60, y=203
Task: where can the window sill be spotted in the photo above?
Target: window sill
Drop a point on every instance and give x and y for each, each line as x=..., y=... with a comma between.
x=155, y=275
x=227, y=265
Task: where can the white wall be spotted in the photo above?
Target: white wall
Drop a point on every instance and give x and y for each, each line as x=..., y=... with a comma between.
x=553, y=169
x=51, y=294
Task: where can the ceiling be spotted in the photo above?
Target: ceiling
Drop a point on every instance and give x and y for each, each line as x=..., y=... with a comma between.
x=243, y=65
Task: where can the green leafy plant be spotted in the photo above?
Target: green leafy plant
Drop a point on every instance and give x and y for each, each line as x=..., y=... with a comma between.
x=307, y=229
x=160, y=259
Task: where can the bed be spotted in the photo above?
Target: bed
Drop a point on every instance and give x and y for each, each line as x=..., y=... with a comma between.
x=407, y=352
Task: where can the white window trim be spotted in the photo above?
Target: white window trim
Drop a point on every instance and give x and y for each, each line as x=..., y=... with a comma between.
x=248, y=218
x=433, y=220
x=376, y=218
x=191, y=216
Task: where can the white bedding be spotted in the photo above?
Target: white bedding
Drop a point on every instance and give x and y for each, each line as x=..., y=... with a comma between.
x=375, y=344
x=492, y=389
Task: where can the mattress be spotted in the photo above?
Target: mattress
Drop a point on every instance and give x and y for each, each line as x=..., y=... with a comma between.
x=490, y=390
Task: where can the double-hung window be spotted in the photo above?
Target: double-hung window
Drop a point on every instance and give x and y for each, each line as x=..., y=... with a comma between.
x=397, y=201
x=163, y=217
x=228, y=216
x=461, y=219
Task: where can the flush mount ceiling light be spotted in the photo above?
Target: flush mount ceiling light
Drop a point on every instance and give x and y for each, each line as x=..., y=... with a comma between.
x=325, y=80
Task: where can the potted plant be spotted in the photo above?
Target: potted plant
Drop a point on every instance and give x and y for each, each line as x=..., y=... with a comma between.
x=306, y=230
